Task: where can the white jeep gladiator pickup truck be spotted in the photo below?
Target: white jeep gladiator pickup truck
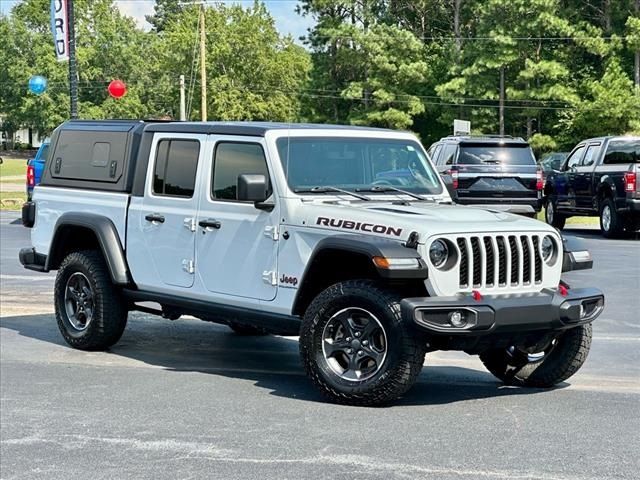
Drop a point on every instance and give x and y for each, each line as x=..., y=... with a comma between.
x=344, y=236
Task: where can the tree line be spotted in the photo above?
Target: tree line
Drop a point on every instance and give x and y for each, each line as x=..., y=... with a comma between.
x=552, y=71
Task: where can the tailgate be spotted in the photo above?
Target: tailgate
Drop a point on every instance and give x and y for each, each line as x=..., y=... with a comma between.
x=497, y=181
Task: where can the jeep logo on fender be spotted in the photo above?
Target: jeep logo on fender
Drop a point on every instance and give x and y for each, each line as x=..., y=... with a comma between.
x=288, y=280
x=363, y=227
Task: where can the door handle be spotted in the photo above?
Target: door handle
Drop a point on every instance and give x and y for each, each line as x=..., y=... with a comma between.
x=154, y=218
x=210, y=223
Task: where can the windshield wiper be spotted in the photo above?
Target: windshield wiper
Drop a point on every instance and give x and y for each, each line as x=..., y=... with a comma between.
x=491, y=161
x=327, y=189
x=389, y=188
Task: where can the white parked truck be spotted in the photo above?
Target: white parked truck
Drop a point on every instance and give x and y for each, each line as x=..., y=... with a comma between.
x=344, y=236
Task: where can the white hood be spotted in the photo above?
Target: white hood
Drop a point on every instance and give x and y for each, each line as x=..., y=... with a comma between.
x=397, y=220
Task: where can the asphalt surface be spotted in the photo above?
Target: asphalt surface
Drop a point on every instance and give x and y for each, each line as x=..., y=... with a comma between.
x=187, y=399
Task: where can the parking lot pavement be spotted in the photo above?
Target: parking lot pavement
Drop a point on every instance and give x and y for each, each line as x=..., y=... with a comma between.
x=187, y=399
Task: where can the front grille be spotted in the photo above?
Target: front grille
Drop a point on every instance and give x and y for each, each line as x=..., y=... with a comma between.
x=499, y=261
x=464, y=263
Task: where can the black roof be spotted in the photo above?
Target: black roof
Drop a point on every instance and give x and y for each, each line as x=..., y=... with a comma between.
x=222, y=128
x=244, y=128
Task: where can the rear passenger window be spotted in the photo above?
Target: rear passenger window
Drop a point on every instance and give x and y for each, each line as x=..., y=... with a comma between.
x=175, y=170
x=448, y=154
x=234, y=159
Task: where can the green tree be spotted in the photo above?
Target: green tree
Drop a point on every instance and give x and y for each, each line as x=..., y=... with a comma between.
x=609, y=106
x=378, y=68
x=163, y=11
x=253, y=73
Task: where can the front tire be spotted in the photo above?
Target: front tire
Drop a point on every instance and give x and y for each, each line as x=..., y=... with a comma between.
x=559, y=361
x=355, y=346
x=90, y=311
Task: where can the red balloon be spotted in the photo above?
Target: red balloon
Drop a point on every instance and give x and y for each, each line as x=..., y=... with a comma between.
x=117, y=89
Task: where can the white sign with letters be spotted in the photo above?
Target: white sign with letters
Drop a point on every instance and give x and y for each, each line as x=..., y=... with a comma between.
x=59, y=28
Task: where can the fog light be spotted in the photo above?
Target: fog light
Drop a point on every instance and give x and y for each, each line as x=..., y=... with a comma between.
x=457, y=319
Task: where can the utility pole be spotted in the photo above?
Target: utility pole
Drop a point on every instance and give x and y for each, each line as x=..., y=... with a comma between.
x=501, y=114
x=203, y=55
x=636, y=67
x=203, y=65
x=73, y=67
x=183, y=109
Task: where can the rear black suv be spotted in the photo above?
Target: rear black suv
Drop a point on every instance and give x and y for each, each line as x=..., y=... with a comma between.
x=599, y=177
x=490, y=171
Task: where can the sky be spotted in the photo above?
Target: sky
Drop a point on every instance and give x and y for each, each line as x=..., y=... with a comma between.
x=283, y=12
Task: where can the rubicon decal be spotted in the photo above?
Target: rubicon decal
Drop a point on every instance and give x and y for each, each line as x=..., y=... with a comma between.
x=360, y=226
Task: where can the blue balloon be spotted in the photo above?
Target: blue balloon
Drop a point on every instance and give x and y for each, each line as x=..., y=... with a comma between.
x=37, y=84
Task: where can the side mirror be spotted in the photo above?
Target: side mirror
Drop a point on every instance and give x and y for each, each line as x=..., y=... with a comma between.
x=252, y=188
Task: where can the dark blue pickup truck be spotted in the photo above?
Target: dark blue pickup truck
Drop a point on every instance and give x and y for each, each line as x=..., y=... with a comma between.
x=599, y=177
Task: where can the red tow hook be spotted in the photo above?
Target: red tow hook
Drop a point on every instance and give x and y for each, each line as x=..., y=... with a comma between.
x=563, y=288
x=477, y=296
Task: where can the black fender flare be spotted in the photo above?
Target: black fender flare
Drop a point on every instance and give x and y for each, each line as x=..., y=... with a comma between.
x=368, y=246
x=108, y=240
x=372, y=247
x=606, y=182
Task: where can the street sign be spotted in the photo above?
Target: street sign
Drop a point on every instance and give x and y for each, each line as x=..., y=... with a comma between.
x=461, y=127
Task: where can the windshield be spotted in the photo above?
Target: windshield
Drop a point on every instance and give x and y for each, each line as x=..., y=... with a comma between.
x=511, y=154
x=356, y=164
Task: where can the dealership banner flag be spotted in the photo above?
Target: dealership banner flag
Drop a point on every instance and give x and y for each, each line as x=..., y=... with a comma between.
x=59, y=28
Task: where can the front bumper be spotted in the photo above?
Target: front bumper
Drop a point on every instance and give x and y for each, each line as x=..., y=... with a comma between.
x=512, y=313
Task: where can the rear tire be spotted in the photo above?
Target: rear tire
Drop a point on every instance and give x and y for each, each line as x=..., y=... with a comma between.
x=611, y=223
x=355, y=346
x=561, y=361
x=551, y=215
x=90, y=311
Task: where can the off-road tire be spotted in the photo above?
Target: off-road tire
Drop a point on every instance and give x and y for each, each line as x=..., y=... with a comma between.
x=109, y=312
x=564, y=360
x=405, y=347
x=551, y=215
x=246, y=330
x=616, y=224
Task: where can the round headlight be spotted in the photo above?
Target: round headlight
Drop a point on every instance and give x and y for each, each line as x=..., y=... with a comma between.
x=438, y=253
x=547, y=248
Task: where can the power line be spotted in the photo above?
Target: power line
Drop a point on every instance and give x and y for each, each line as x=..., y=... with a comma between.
x=330, y=93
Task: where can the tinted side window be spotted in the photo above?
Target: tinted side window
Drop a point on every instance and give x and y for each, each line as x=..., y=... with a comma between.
x=175, y=169
x=621, y=152
x=448, y=154
x=232, y=160
x=574, y=158
x=590, y=155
